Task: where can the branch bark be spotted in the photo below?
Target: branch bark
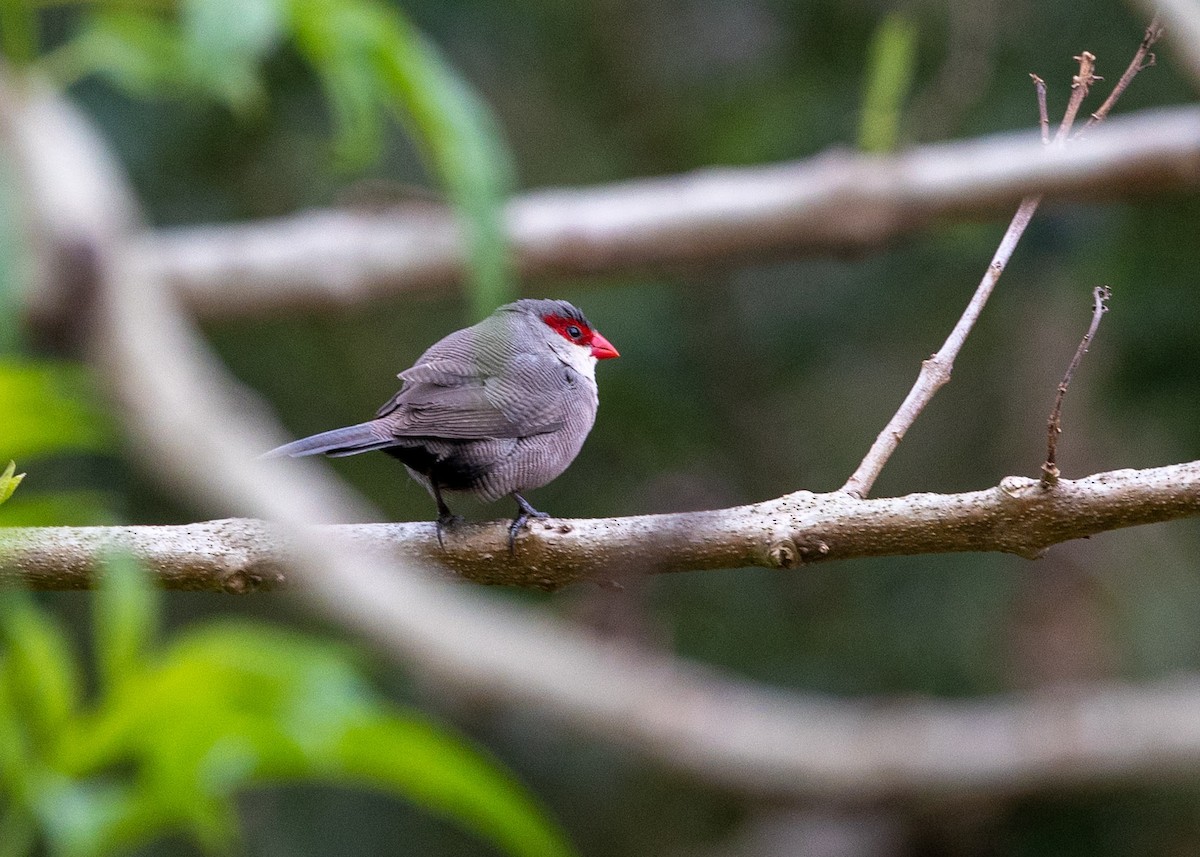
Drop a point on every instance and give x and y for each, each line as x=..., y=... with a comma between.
x=1018, y=516
x=837, y=202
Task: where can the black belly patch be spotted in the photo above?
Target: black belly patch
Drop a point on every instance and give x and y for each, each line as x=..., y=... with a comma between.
x=447, y=464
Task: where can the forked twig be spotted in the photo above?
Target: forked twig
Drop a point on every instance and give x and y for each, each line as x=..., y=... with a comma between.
x=935, y=371
x=1100, y=297
x=1080, y=84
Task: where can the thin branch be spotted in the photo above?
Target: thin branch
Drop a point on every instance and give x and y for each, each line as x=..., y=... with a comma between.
x=833, y=203
x=1050, y=474
x=1181, y=22
x=1141, y=59
x=935, y=372
x=1043, y=113
x=1081, y=84
x=242, y=555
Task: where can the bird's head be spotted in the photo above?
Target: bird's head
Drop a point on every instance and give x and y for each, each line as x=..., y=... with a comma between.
x=568, y=333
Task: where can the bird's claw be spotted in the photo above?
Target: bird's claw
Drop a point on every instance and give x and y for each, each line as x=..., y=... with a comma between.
x=518, y=522
x=445, y=522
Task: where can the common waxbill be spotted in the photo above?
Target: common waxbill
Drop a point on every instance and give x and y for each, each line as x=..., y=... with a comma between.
x=492, y=410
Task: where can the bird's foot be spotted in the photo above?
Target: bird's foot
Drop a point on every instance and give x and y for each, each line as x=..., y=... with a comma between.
x=524, y=513
x=446, y=522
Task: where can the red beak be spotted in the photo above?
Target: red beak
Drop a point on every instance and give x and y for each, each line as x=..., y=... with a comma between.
x=602, y=349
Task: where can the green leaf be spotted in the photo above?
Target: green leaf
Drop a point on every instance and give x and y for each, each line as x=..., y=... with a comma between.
x=368, y=55
x=9, y=480
x=82, y=818
x=17, y=832
x=441, y=772
x=47, y=408
x=14, y=748
x=18, y=32
x=139, y=52
x=126, y=614
x=891, y=64
x=463, y=142
x=338, y=38
x=44, y=685
x=224, y=59
x=278, y=706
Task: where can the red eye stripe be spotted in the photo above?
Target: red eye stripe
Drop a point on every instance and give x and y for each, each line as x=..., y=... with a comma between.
x=565, y=327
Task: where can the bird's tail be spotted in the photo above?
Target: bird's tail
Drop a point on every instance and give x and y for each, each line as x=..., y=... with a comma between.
x=350, y=440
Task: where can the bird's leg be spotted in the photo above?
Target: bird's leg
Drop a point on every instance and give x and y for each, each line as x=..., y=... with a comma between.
x=524, y=513
x=445, y=517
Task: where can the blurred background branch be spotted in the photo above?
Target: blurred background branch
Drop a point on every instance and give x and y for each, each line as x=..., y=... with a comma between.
x=838, y=202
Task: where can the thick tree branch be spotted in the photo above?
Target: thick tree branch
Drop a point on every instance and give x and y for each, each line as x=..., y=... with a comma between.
x=1018, y=516
x=836, y=202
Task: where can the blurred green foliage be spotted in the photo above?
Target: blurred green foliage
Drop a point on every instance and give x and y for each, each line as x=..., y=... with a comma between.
x=150, y=755
x=371, y=63
x=891, y=61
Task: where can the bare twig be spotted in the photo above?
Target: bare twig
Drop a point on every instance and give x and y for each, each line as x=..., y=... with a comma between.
x=1143, y=58
x=935, y=371
x=1100, y=297
x=1043, y=112
x=1181, y=23
x=1081, y=84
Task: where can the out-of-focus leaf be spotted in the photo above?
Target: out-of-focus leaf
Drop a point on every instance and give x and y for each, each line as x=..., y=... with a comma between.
x=226, y=41
x=370, y=61
x=139, y=52
x=18, y=32
x=891, y=63
x=48, y=407
x=464, y=144
x=83, y=819
x=126, y=615
x=366, y=55
x=9, y=480
x=442, y=773
x=277, y=706
x=17, y=832
x=14, y=762
x=44, y=685
x=339, y=38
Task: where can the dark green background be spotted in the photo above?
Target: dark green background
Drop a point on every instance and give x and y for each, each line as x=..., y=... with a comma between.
x=743, y=383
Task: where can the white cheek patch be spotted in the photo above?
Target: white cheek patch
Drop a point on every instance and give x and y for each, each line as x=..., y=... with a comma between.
x=578, y=357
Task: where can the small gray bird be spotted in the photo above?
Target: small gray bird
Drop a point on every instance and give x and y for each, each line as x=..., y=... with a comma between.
x=492, y=410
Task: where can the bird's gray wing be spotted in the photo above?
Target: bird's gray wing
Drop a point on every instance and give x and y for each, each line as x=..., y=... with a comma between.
x=454, y=398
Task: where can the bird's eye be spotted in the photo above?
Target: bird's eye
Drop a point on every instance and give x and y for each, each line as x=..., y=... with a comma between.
x=574, y=331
